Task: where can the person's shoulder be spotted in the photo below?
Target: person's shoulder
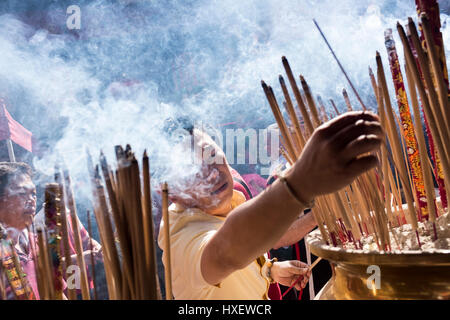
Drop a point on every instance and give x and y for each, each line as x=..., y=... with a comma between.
x=190, y=220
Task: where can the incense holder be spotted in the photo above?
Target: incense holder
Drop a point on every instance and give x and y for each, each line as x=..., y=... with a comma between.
x=361, y=275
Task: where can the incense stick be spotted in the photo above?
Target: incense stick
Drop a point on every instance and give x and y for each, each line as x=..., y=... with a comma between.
x=71, y=293
x=347, y=100
x=436, y=133
x=91, y=247
x=294, y=120
x=386, y=107
x=150, y=252
x=298, y=97
x=429, y=187
x=437, y=70
x=432, y=96
x=311, y=104
x=340, y=66
x=279, y=119
x=77, y=236
x=167, y=264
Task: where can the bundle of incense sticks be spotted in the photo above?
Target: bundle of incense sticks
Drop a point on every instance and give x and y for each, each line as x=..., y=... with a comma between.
x=124, y=218
x=51, y=253
x=372, y=204
x=129, y=259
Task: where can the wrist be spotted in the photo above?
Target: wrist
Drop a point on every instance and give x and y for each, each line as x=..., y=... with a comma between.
x=268, y=270
x=301, y=195
x=300, y=179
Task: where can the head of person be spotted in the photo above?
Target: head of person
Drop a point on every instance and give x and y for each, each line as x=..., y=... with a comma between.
x=210, y=187
x=17, y=195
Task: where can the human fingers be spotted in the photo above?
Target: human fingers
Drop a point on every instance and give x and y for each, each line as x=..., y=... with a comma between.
x=360, y=165
x=297, y=282
x=299, y=286
x=362, y=145
x=305, y=281
x=348, y=134
x=337, y=124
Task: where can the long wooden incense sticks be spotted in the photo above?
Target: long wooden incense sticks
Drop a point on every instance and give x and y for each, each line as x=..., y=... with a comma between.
x=294, y=120
x=71, y=293
x=431, y=94
x=298, y=97
x=395, y=144
x=150, y=252
x=45, y=272
x=53, y=225
x=437, y=163
x=372, y=205
x=434, y=124
x=167, y=263
x=77, y=237
x=340, y=66
x=91, y=248
x=310, y=100
x=347, y=100
x=433, y=55
x=134, y=276
x=429, y=186
x=406, y=127
x=281, y=124
x=120, y=224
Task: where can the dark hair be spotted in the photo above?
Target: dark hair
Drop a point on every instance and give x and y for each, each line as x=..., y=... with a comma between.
x=171, y=125
x=10, y=171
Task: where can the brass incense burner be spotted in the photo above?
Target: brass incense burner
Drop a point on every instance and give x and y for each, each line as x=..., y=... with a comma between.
x=407, y=275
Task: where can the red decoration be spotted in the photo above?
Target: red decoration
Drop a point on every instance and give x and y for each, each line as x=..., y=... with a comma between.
x=11, y=129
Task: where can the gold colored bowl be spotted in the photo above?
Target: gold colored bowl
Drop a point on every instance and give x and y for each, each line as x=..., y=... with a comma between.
x=406, y=275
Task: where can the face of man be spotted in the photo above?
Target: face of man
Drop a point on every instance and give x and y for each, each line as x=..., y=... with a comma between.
x=18, y=204
x=212, y=188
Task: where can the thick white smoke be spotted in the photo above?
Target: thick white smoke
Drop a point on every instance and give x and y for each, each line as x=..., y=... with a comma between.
x=134, y=63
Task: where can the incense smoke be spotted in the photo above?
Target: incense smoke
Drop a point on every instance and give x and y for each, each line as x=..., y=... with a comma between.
x=135, y=63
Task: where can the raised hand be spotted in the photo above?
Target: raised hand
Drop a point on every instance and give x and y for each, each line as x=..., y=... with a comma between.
x=336, y=154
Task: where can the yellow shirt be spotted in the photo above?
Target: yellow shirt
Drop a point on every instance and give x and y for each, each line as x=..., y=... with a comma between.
x=190, y=231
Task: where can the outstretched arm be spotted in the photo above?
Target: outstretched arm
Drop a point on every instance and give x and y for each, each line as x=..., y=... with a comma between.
x=333, y=157
x=297, y=231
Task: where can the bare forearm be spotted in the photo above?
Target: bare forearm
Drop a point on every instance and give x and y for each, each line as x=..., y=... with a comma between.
x=297, y=231
x=249, y=231
x=335, y=154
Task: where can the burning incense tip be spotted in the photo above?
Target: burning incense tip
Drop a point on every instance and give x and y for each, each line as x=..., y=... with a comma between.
x=263, y=84
x=370, y=71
